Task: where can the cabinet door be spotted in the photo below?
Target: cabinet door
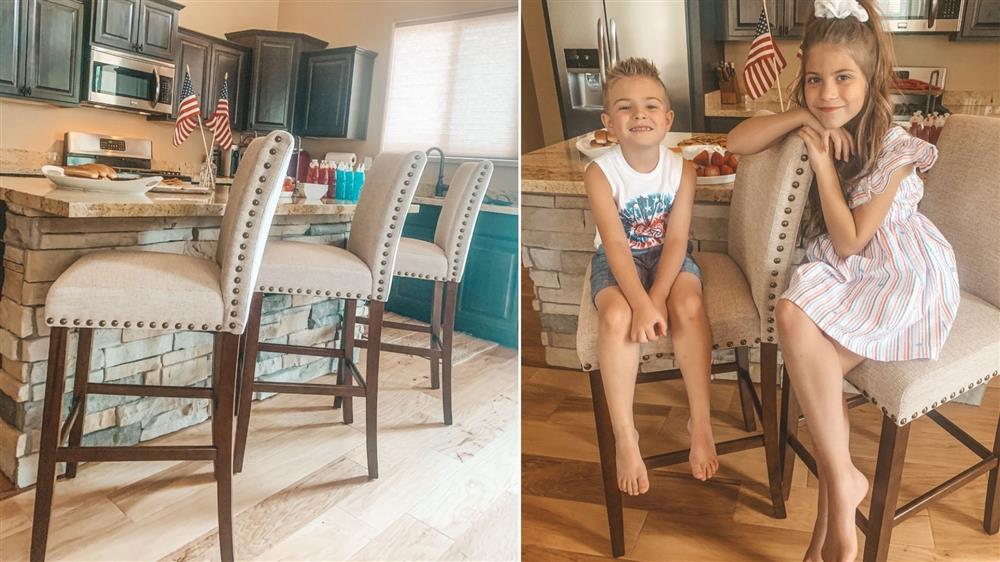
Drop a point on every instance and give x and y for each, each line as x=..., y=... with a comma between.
x=487, y=297
x=116, y=23
x=796, y=14
x=272, y=98
x=742, y=17
x=192, y=53
x=981, y=19
x=11, y=47
x=53, y=54
x=236, y=63
x=157, y=29
x=325, y=95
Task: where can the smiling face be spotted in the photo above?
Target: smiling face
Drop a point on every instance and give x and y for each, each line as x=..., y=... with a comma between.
x=637, y=111
x=835, y=87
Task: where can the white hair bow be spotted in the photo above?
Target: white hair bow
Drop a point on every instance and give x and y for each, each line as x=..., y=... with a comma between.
x=840, y=9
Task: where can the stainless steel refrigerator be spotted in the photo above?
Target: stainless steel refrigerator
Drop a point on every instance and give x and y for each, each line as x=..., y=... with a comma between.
x=656, y=30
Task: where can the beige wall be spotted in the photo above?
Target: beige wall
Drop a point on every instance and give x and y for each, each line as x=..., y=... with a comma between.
x=549, y=124
x=971, y=65
x=38, y=128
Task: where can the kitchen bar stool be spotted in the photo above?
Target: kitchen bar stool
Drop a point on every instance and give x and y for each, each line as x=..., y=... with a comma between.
x=362, y=271
x=443, y=261
x=150, y=290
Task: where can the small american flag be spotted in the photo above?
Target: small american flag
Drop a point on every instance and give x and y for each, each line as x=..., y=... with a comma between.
x=219, y=121
x=187, y=113
x=760, y=73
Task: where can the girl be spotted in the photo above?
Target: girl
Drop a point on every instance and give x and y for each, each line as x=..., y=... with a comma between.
x=880, y=281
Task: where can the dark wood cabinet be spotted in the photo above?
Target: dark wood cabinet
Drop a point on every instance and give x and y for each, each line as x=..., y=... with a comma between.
x=335, y=93
x=787, y=17
x=274, y=75
x=210, y=60
x=145, y=26
x=981, y=20
x=42, y=49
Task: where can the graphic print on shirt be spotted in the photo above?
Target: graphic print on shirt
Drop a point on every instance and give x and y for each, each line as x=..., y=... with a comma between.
x=645, y=219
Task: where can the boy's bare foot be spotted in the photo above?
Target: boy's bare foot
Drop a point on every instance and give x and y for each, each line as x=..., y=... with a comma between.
x=841, y=544
x=632, y=477
x=703, y=459
x=814, y=552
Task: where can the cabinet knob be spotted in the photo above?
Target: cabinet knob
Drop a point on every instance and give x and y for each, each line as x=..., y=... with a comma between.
x=140, y=48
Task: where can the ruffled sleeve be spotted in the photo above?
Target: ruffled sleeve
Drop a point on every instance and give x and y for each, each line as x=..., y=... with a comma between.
x=900, y=149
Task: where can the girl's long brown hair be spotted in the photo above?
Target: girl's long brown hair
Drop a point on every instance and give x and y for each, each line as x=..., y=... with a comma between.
x=871, y=48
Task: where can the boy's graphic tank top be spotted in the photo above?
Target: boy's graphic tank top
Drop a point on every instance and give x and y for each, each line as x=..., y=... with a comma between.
x=644, y=199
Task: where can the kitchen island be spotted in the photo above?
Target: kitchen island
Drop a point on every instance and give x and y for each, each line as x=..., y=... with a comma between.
x=46, y=230
x=557, y=241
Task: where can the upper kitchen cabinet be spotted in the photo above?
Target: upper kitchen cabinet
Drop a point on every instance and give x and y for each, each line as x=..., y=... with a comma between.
x=787, y=17
x=42, y=42
x=210, y=61
x=274, y=75
x=334, y=93
x=981, y=20
x=144, y=26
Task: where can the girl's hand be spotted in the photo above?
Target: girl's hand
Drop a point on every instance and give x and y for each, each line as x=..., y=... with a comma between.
x=840, y=138
x=817, y=146
x=647, y=324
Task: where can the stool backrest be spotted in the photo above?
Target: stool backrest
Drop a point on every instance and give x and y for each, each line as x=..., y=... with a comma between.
x=768, y=199
x=962, y=198
x=458, y=216
x=253, y=199
x=378, y=219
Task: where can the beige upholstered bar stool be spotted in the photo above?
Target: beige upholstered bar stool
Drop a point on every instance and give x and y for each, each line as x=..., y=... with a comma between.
x=361, y=272
x=962, y=198
x=137, y=290
x=740, y=288
x=443, y=261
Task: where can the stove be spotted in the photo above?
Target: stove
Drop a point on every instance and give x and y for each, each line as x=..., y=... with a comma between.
x=123, y=154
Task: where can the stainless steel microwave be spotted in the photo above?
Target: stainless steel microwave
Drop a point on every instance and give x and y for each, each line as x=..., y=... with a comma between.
x=921, y=16
x=132, y=82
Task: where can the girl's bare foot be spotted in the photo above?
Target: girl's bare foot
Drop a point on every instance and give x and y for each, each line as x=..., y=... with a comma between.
x=814, y=552
x=703, y=459
x=632, y=477
x=841, y=544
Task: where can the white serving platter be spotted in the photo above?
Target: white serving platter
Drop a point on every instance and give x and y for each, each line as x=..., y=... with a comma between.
x=128, y=183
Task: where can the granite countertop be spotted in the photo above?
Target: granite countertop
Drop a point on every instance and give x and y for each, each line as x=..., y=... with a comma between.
x=558, y=170
x=40, y=195
x=714, y=107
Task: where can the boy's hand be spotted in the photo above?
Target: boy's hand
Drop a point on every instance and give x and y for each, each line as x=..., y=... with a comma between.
x=647, y=323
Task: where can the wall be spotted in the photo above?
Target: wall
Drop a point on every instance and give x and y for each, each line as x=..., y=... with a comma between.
x=29, y=130
x=370, y=25
x=544, y=95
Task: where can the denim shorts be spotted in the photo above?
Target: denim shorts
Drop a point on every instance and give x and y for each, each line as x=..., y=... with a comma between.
x=646, y=261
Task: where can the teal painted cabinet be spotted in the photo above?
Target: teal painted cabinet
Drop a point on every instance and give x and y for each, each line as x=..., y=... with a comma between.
x=487, y=297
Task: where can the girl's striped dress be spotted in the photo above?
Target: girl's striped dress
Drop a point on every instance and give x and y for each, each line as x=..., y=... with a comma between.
x=897, y=299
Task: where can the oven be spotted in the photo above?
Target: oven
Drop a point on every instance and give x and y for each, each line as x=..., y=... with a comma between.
x=921, y=16
x=131, y=82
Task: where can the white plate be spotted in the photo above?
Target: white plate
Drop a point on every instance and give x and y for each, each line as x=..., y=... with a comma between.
x=583, y=145
x=715, y=180
x=133, y=183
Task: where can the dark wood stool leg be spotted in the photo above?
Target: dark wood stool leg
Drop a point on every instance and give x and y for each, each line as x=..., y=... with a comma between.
x=789, y=428
x=746, y=387
x=247, y=375
x=376, y=310
x=55, y=384
x=769, y=421
x=991, y=515
x=224, y=386
x=448, y=339
x=439, y=289
x=609, y=470
x=343, y=371
x=240, y=365
x=83, y=351
x=885, y=489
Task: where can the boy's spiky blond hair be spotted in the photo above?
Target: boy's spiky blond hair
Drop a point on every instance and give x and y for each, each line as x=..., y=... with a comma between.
x=630, y=68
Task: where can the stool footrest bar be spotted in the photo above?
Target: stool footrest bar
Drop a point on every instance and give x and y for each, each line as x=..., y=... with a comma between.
x=723, y=448
x=307, y=388
x=149, y=390
x=300, y=350
x=114, y=454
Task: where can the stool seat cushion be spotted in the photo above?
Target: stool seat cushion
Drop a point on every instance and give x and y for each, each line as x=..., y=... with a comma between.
x=313, y=269
x=422, y=260
x=731, y=312
x=145, y=289
x=906, y=390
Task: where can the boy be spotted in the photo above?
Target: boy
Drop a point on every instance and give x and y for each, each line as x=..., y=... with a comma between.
x=643, y=277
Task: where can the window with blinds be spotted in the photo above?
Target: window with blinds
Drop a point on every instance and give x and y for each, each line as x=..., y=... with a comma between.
x=454, y=84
